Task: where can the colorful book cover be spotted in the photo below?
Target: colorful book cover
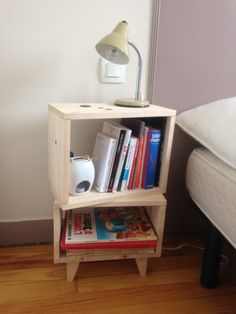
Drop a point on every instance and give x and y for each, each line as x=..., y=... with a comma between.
x=127, y=165
x=116, y=161
x=108, y=227
x=137, y=127
x=152, y=153
x=122, y=134
x=122, y=159
x=145, y=143
x=133, y=166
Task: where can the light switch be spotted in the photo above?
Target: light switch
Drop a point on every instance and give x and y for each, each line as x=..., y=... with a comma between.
x=111, y=70
x=112, y=73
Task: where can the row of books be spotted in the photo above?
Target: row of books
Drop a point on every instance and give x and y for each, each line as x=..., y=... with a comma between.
x=100, y=228
x=126, y=155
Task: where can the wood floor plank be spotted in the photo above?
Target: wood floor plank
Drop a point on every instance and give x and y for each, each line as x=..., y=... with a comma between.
x=161, y=299
x=31, y=283
x=25, y=276
x=123, y=281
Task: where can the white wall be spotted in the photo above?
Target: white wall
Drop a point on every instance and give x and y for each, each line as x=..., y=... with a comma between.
x=47, y=55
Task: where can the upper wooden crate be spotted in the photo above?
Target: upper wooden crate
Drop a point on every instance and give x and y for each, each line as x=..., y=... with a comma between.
x=59, y=134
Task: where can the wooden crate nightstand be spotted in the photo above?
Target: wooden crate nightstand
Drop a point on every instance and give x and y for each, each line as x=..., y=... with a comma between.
x=59, y=146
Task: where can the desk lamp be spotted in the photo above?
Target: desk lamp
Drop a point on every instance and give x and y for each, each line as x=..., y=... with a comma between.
x=114, y=48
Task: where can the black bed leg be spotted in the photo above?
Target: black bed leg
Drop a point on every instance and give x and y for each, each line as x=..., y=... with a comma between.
x=211, y=258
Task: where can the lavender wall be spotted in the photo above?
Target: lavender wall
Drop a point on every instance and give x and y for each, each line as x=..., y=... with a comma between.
x=196, y=64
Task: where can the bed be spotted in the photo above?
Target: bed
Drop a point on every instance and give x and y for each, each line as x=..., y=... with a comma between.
x=211, y=176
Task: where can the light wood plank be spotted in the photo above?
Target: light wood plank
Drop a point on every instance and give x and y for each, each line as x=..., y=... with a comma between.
x=136, y=197
x=157, y=216
x=30, y=283
x=142, y=263
x=57, y=227
x=166, y=154
x=71, y=269
x=58, y=156
x=73, y=111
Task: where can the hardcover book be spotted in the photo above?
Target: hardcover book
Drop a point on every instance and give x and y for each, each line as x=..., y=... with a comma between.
x=122, y=134
x=113, y=227
x=127, y=165
x=151, y=157
x=137, y=127
x=104, y=154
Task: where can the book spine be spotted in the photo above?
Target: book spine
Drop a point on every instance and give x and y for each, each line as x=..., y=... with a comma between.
x=123, y=172
x=145, y=160
x=129, y=160
x=146, y=133
x=104, y=151
x=110, y=165
x=132, y=171
x=79, y=226
x=68, y=226
x=116, y=161
x=121, y=159
x=139, y=163
x=110, y=245
x=152, y=157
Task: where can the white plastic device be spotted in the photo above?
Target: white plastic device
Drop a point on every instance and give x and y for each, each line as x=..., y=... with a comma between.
x=82, y=175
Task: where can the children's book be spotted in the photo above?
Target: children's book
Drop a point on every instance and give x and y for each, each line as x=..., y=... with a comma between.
x=94, y=228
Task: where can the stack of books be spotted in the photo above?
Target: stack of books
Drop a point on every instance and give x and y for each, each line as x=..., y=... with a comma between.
x=127, y=155
x=101, y=228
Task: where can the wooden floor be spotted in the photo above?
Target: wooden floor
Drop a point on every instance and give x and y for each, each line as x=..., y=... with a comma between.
x=30, y=283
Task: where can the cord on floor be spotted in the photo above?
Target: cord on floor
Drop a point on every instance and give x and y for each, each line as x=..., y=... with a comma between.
x=224, y=257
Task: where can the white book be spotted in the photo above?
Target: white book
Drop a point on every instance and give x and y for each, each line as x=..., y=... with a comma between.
x=115, y=129
x=104, y=153
x=128, y=163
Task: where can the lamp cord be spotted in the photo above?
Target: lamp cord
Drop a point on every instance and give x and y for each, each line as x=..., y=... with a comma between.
x=224, y=257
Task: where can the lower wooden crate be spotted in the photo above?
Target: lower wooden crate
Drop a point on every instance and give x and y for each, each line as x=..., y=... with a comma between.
x=72, y=258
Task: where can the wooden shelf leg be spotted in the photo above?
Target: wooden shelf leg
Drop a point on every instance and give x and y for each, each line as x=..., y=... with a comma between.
x=142, y=263
x=71, y=269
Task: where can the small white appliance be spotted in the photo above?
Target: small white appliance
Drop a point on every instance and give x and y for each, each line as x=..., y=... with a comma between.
x=82, y=175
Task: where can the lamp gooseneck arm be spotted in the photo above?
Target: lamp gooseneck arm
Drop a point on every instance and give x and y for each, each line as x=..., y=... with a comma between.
x=138, y=94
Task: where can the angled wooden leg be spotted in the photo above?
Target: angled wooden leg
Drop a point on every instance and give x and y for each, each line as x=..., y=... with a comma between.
x=56, y=231
x=142, y=265
x=71, y=269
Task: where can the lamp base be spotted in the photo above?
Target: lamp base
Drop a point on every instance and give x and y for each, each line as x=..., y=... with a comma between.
x=128, y=102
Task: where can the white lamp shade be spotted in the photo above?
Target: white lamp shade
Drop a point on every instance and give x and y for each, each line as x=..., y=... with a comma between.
x=114, y=47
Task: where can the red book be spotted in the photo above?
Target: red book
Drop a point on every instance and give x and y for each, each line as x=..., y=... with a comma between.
x=137, y=127
x=130, y=184
x=99, y=228
x=139, y=163
x=145, y=159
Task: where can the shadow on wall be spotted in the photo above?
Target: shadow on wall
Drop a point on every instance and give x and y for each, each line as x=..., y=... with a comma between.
x=182, y=215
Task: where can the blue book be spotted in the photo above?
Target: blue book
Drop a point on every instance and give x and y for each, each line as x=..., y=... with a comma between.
x=151, y=158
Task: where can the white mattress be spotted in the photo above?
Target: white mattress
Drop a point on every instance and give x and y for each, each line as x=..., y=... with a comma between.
x=212, y=186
